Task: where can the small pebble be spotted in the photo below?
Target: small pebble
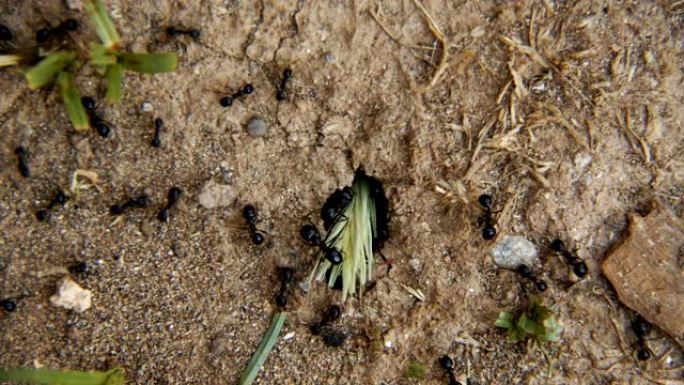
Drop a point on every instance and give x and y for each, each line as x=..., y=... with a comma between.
x=146, y=107
x=215, y=195
x=72, y=296
x=257, y=127
x=513, y=250
x=330, y=58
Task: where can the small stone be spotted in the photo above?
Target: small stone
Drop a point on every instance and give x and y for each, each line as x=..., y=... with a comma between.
x=477, y=32
x=216, y=195
x=582, y=160
x=257, y=127
x=71, y=296
x=416, y=265
x=146, y=107
x=288, y=336
x=221, y=345
x=513, y=250
x=146, y=228
x=330, y=58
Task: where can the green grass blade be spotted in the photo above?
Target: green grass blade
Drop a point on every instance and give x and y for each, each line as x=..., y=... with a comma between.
x=72, y=101
x=505, y=320
x=114, y=77
x=103, y=24
x=45, y=71
x=264, y=348
x=63, y=377
x=101, y=56
x=149, y=63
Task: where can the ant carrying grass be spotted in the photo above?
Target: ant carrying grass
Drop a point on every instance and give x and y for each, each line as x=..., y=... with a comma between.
x=310, y=235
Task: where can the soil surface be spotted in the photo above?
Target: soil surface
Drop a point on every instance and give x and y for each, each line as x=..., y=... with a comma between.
x=568, y=113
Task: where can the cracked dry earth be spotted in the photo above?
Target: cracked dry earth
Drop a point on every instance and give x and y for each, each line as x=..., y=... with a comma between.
x=568, y=113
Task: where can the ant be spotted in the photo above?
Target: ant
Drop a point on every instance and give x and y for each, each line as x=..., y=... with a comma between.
x=641, y=328
x=96, y=122
x=334, y=338
x=578, y=265
x=79, y=268
x=448, y=365
x=158, y=125
x=250, y=215
x=381, y=233
x=8, y=304
x=171, y=199
x=310, y=235
x=227, y=101
x=22, y=155
x=488, y=231
x=334, y=205
x=333, y=314
x=173, y=31
x=286, y=276
x=45, y=34
x=59, y=199
x=287, y=76
x=118, y=209
x=5, y=33
x=526, y=272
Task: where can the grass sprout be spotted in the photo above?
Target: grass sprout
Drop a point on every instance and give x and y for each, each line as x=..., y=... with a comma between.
x=537, y=321
x=63, y=377
x=352, y=234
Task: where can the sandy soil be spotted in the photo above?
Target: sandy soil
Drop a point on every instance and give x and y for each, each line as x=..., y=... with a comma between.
x=568, y=113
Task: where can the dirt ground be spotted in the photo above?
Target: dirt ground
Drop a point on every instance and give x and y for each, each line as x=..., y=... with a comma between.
x=568, y=113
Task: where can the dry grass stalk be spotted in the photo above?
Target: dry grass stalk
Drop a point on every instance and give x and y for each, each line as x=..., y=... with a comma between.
x=379, y=18
x=439, y=35
x=637, y=142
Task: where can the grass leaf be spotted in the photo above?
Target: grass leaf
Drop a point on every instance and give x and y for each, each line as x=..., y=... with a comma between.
x=63, y=377
x=505, y=320
x=72, y=101
x=149, y=63
x=103, y=24
x=48, y=68
x=10, y=60
x=114, y=77
x=537, y=321
x=101, y=56
x=267, y=343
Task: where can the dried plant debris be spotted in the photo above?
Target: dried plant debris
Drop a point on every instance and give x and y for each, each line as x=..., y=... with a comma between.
x=646, y=271
x=359, y=225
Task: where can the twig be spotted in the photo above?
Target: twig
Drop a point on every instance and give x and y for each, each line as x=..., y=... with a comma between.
x=377, y=16
x=444, y=54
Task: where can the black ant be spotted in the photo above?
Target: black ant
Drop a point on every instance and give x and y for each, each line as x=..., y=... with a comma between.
x=79, y=268
x=59, y=199
x=286, y=276
x=641, y=328
x=193, y=33
x=96, y=122
x=334, y=205
x=8, y=304
x=120, y=208
x=488, y=231
x=158, y=125
x=5, y=33
x=287, y=75
x=250, y=215
x=45, y=34
x=448, y=365
x=578, y=265
x=310, y=235
x=171, y=199
x=334, y=338
x=333, y=314
x=526, y=272
x=381, y=215
x=227, y=101
x=22, y=156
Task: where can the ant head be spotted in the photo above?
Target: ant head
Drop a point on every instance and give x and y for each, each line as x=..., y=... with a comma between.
x=8, y=304
x=485, y=200
x=333, y=256
x=334, y=313
x=88, y=103
x=580, y=269
x=42, y=35
x=195, y=33
x=5, y=33
x=541, y=285
x=524, y=271
x=249, y=213
x=310, y=234
x=488, y=232
x=446, y=362
x=643, y=354
x=557, y=245
x=70, y=24
x=640, y=326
